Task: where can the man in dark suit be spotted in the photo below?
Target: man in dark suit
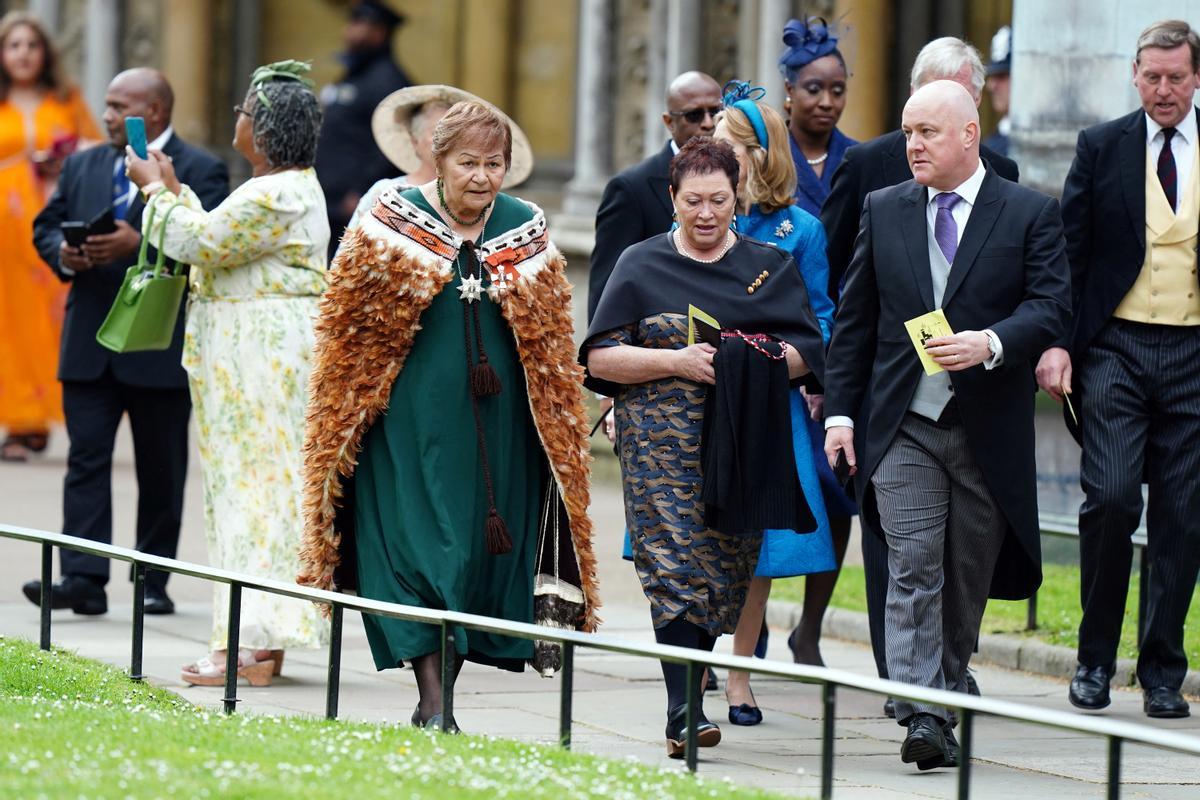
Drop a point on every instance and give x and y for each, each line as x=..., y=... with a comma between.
x=1130, y=208
x=636, y=204
x=946, y=465
x=348, y=160
x=873, y=165
x=99, y=386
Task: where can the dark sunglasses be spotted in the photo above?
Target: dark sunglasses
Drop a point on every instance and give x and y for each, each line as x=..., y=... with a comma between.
x=696, y=115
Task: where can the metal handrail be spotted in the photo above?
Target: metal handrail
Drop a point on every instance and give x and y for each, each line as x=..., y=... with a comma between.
x=830, y=680
x=1067, y=526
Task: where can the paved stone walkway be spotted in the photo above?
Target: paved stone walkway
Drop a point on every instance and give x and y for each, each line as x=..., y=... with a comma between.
x=619, y=700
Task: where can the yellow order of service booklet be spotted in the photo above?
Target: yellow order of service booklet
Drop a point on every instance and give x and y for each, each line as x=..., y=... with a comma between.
x=702, y=328
x=923, y=328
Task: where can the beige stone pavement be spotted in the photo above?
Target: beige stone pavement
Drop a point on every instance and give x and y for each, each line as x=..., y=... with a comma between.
x=619, y=701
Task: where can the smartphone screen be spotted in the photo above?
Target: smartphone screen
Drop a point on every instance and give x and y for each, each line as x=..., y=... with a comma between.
x=135, y=134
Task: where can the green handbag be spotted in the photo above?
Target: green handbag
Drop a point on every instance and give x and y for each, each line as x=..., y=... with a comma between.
x=143, y=315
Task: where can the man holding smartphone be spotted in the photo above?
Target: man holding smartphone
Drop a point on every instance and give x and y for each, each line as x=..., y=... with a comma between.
x=100, y=387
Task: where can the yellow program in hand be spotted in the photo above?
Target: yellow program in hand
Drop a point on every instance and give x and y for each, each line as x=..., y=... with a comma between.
x=923, y=328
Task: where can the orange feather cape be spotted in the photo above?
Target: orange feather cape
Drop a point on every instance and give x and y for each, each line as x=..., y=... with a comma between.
x=385, y=275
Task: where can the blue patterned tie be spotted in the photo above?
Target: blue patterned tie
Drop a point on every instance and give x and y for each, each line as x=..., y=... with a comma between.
x=120, y=190
x=945, y=229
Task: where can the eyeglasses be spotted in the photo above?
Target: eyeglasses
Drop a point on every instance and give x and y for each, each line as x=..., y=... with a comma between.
x=239, y=110
x=696, y=115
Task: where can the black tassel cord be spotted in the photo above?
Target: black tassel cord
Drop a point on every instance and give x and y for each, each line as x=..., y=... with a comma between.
x=484, y=382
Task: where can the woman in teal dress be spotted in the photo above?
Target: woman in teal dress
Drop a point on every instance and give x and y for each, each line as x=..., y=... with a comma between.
x=768, y=213
x=446, y=312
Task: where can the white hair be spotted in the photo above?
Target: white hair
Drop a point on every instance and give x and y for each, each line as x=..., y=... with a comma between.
x=943, y=59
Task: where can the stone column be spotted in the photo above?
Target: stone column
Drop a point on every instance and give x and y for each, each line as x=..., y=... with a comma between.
x=48, y=12
x=1072, y=65
x=101, y=49
x=773, y=15
x=866, y=114
x=683, y=36
x=187, y=50
x=592, y=102
x=657, y=79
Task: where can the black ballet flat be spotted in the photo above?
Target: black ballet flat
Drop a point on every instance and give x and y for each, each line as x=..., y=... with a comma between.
x=707, y=733
x=745, y=714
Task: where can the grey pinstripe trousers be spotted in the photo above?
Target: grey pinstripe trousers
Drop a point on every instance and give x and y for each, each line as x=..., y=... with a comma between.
x=1141, y=387
x=944, y=531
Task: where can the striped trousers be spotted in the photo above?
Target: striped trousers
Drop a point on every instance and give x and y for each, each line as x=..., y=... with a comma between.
x=1141, y=424
x=944, y=531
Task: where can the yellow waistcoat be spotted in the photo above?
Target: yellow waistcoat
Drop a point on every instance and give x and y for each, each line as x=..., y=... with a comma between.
x=1165, y=292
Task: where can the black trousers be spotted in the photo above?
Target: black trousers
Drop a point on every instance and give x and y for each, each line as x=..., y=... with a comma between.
x=1141, y=423
x=158, y=419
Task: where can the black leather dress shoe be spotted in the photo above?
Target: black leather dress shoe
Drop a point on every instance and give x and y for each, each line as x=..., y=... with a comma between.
x=707, y=733
x=1089, y=687
x=952, y=751
x=79, y=594
x=889, y=708
x=1163, y=702
x=925, y=742
x=157, y=602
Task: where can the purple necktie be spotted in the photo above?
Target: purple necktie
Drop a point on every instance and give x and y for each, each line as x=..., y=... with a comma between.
x=945, y=229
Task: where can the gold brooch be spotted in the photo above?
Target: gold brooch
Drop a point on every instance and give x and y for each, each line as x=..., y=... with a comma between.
x=762, y=276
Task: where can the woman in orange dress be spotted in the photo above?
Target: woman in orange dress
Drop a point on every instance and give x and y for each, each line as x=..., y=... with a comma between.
x=42, y=120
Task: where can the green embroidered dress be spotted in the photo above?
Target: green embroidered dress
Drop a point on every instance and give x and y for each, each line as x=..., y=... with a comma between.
x=420, y=502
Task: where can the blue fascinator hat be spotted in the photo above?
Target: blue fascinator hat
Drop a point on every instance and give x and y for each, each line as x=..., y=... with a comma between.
x=806, y=41
x=742, y=96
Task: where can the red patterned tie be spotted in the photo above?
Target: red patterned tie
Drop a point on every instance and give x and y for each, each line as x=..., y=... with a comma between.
x=1166, y=167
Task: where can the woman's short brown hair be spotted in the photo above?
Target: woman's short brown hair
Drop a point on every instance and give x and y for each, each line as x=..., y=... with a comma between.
x=468, y=121
x=703, y=155
x=52, y=78
x=770, y=173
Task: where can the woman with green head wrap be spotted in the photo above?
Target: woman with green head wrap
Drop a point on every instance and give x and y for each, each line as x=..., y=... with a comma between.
x=257, y=271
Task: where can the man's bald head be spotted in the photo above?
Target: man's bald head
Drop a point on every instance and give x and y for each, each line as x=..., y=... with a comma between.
x=692, y=94
x=941, y=124
x=139, y=92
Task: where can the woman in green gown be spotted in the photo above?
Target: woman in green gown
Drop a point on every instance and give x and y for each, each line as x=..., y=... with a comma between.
x=446, y=441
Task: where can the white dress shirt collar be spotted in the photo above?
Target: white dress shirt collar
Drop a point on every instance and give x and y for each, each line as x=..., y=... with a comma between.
x=1186, y=129
x=968, y=190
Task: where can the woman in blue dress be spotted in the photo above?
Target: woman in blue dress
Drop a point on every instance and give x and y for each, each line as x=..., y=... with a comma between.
x=815, y=76
x=767, y=212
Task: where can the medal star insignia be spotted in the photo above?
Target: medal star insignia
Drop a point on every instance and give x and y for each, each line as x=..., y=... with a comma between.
x=470, y=289
x=784, y=229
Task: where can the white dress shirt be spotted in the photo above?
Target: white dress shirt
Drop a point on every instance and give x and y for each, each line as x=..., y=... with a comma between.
x=1183, y=147
x=968, y=190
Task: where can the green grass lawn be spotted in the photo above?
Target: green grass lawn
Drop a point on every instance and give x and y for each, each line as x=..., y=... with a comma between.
x=1058, y=609
x=70, y=727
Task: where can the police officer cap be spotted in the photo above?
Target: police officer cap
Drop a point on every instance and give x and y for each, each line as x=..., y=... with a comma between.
x=378, y=12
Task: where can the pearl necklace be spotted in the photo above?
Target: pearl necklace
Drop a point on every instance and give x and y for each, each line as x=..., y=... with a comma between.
x=812, y=162
x=729, y=240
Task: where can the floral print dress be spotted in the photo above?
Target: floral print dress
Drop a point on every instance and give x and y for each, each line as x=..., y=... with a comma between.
x=258, y=270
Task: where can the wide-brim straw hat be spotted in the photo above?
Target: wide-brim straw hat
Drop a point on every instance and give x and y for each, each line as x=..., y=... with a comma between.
x=390, y=124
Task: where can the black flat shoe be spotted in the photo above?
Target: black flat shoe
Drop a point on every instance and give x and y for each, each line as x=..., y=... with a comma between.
x=953, y=751
x=157, y=602
x=925, y=743
x=1089, y=687
x=745, y=714
x=79, y=594
x=707, y=733
x=1163, y=702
